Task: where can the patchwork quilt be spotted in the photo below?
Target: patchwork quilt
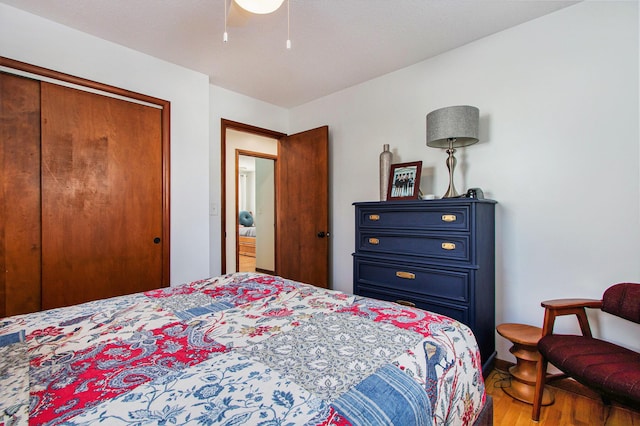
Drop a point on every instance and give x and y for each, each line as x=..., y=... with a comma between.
x=240, y=349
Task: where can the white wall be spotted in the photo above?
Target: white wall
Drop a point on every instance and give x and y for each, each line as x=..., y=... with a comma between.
x=28, y=38
x=559, y=151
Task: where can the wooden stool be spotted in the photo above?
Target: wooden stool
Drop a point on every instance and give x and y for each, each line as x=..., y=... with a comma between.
x=525, y=340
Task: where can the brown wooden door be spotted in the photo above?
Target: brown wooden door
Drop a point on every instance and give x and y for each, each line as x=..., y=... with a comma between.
x=302, y=198
x=102, y=199
x=19, y=195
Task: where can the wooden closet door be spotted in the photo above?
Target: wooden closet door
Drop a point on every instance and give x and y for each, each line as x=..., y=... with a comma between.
x=101, y=196
x=19, y=195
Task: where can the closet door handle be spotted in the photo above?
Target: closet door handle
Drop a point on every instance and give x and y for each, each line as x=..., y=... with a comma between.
x=156, y=240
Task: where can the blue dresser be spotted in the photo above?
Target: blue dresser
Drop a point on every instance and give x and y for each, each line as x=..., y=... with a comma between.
x=437, y=255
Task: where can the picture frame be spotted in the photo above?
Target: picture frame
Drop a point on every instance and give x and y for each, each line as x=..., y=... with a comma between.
x=404, y=181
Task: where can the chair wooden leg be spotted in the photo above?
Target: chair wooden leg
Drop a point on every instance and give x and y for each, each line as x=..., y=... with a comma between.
x=541, y=373
x=606, y=408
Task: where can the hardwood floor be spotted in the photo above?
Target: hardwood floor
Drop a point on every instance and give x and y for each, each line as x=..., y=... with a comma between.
x=247, y=263
x=574, y=405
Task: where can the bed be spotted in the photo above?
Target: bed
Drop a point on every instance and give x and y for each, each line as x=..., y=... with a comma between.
x=239, y=349
x=247, y=231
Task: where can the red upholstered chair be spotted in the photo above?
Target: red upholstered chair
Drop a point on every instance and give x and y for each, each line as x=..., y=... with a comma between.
x=609, y=369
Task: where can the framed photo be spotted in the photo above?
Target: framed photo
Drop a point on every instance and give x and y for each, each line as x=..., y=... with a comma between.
x=404, y=181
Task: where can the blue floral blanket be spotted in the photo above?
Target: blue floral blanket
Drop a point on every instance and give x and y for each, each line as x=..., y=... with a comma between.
x=240, y=349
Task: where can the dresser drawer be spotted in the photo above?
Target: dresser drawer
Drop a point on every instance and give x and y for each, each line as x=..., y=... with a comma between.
x=450, y=247
x=440, y=283
x=420, y=216
x=458, y=313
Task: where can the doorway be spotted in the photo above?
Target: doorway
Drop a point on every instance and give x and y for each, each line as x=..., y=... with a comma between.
x=256, y=212
x=240, y=141
x=301, y=201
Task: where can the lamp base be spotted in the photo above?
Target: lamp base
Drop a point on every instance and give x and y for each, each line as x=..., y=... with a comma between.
x=451, y=165
x=451, y=192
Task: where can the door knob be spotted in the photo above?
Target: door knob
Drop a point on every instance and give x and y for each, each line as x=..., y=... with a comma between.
x=322, y=234
x=156, y=240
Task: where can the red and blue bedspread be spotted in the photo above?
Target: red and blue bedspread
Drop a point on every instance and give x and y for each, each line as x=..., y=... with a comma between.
x=241, y=349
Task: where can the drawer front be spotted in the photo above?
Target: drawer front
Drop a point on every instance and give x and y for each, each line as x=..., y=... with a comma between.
x=458, y=313
x=419, y=217
x=443, y=284
x=453, y=247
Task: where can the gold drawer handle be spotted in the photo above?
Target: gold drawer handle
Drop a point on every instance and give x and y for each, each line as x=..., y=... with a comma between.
x=406, y=275
x=448, y=246
x=406, y=303
x=448, y=217
x=374, y=217
x=374, y=241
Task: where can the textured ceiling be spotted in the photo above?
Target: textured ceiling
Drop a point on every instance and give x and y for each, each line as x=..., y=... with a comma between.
x=335, y=44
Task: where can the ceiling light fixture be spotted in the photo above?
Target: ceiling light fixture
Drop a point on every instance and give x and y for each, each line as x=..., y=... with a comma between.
x=259, y=7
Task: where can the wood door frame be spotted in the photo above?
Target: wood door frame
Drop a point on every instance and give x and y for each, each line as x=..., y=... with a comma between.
x=262, y=155
x=163, y=105
x=247, y=128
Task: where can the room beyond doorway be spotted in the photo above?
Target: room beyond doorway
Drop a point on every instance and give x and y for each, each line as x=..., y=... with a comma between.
x=256, y=212
x=240, y=143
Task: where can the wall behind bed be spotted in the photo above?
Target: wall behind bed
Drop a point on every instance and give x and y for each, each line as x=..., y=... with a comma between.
x=559, y=151
x=29, y=38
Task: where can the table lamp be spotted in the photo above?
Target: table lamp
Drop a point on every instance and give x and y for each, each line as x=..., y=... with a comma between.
x=452, y=127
